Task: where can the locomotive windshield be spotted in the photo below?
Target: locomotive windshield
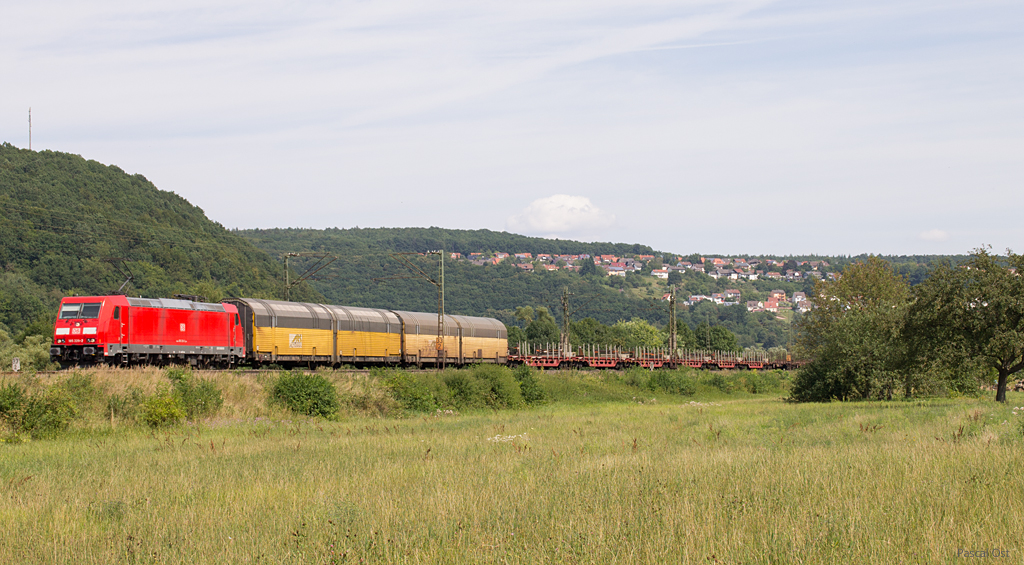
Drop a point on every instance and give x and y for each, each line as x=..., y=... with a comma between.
x=77, y=310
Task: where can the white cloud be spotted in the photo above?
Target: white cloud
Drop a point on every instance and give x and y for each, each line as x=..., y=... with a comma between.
x=934, y=235
x=560, y=214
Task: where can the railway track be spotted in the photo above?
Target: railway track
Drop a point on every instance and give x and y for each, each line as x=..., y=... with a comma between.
x=249, y=372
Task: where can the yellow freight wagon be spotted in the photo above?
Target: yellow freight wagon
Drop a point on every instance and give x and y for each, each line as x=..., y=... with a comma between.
x=321, y=334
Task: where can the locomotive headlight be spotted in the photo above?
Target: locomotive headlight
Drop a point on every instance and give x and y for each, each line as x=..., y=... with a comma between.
x=60, y=341
x=91, y=340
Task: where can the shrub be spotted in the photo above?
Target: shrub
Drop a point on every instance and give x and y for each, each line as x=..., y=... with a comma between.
x=83, y=391
x=126, y=406
x=49, y=413
x=200, y=398
x=722, y=382
x=46, y=414
x=12, y=400
x=412, y=393
x=162, y=409
x=466, y=391
x=637, y=377
x=79, y=385
x=664, y=380
x=34, y=352
x=673, y=382
x=12, y=405
x=528, y=385
x=372, y=401
x=42, y=415
x=312, y=395
x=758, y=382
x=499, y=386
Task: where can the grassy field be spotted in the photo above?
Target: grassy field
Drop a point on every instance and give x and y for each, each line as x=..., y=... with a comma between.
x=601, y=474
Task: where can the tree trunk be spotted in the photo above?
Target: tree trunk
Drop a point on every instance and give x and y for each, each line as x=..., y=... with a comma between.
x=1001, y=386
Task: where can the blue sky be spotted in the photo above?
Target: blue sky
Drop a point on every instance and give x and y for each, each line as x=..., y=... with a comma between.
x=715, y=127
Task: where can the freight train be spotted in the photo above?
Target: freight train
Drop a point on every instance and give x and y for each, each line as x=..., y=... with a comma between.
x=123, y=330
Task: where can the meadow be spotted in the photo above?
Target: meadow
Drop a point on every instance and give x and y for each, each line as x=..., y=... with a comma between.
x=603, y=472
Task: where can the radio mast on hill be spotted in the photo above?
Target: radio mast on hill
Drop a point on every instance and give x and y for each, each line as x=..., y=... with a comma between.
x=30, y=128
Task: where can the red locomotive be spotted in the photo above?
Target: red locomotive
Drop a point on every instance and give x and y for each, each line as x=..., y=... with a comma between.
x=121, y=329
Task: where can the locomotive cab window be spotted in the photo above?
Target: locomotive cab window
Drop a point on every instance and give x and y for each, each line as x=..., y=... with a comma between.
x=117, y=312
x=78, y=310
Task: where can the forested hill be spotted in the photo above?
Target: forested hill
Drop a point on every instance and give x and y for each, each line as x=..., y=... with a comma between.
x=418, y=240
x=366, y=274
x=365, y=257
x=62, y=217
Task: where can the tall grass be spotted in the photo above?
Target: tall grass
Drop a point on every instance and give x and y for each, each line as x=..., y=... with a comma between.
x=726, y=477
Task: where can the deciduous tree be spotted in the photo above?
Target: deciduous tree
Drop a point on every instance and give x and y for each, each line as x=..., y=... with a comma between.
x=543, y=329
x=973, y=313
x=853, y=336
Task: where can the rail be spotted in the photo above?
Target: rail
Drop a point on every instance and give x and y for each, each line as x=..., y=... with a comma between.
x=553, y=356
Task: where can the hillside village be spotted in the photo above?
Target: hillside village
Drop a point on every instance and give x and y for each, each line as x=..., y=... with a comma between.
x=654, y=266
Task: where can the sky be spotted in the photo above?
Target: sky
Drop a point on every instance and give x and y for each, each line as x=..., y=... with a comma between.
x=733, y=127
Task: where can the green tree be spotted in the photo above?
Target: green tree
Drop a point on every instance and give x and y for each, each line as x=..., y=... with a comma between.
x=588, y=331
x=543, y=329
x=973, y=313
x=717, y=338
x=685, y=338
x=587, y=267
x=853, y=336
x=516, y=335
x=524, y=314
x=640, y=333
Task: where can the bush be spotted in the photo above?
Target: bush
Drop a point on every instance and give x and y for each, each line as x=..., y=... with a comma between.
x=637, y=377
x=499, y=387
x=162, y=409
x=372, y=401
x=672, y=382
x=126, y=406
x=528, y=385
x=12, y=402
x=86, y=396
x=12, y=406
x=757, y=382
x=200, y=398
x=466, y=391
x=34, y=352
x=42, y=415
x=312, y=395
x=411, y=392
x=721, y=381
x=816, y=382
x=663, y=380
x=49, y=413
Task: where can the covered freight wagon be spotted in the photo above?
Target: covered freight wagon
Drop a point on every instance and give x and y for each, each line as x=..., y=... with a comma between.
x=307, y=333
